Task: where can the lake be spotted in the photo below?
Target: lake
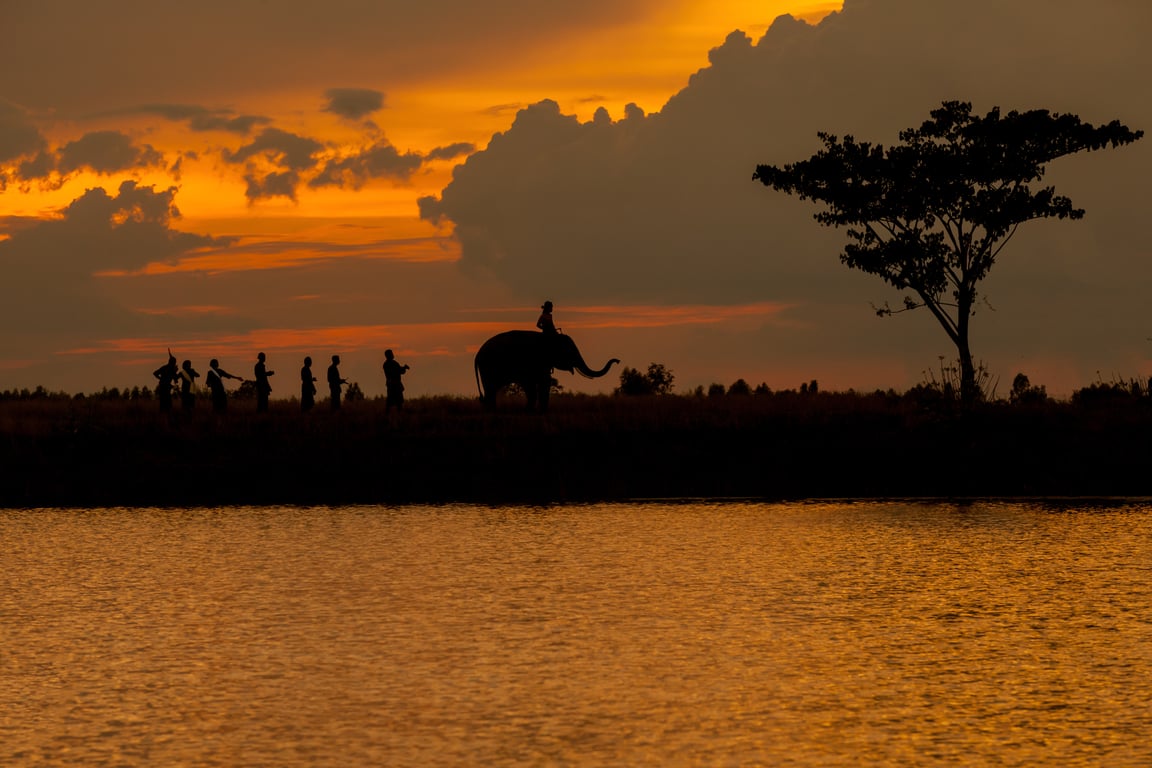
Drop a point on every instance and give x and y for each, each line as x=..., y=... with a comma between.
x=666, y=634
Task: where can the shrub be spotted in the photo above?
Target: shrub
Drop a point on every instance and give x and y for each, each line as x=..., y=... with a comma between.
x=657, y=381
x=1023, y=393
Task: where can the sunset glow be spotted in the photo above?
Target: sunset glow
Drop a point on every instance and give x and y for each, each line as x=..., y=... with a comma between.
x=389, y=191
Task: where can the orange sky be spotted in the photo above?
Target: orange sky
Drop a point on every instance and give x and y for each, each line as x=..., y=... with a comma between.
x=296, y=157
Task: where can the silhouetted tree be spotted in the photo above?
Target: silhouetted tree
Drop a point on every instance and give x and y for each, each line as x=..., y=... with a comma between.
x=716, y=389
x=657, y=381
x=1023, y=393
x=740, y=387
x=353, y=393
x=932, y=214
x=661, y=379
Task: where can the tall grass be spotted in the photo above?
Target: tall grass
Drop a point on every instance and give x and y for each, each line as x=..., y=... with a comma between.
x=100, y=451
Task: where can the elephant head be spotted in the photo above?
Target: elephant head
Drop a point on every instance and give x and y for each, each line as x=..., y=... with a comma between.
x=565, y=356
x=527, y=359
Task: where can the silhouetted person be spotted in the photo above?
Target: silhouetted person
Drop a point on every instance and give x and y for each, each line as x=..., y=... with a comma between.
x=263, y=388
x=393, y=371
x=307, y=386
x=334, y=382
x=188, y=378
x=215, y=382
x=167, y=374
x=545, y=323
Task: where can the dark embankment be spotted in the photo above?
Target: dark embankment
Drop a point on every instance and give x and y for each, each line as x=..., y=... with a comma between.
x=108, y=453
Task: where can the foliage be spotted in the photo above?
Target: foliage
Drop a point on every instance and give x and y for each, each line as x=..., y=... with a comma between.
x=1118, y=392
x=945, y=384
x=1023, y=393
x=246, y=390
x=353, y=393
x=740, y=387
x=657, y=381
x=932, y=214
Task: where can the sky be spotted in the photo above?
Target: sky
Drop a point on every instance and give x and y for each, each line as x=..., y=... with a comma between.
x=296, y=178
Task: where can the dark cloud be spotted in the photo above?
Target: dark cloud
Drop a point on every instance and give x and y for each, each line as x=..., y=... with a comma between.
x=275, y=161
x=50, y=266
x=278, y=162
x=106, y=152
x=98, y=48
x=269, y=185
x=280, y=148
x=353, y=103
x=662, y=208
x=197, y=118
x=451, y=151
x=380, y=161
x=19, y=137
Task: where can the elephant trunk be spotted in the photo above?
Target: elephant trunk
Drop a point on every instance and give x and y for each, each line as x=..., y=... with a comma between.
x=583, y=369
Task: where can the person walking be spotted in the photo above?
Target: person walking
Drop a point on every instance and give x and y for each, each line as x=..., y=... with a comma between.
x=166, y=374
x=393, y=371
x=188, y=378
x=263, y=388
x=215, y=381
x=307, y=386
x=334, y=382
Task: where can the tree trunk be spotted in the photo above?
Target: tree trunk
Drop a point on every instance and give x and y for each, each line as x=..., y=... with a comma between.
x=969, y=392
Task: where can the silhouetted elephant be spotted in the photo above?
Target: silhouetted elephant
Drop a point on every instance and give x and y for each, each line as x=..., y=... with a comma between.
x=527, y=358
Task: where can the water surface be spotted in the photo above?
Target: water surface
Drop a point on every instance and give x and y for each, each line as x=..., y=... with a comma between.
x=693, y=634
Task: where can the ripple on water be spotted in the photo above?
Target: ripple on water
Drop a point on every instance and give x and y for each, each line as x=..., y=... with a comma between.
x=669, y=634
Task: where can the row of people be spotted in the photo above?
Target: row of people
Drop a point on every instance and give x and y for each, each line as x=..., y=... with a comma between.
x=182, y=379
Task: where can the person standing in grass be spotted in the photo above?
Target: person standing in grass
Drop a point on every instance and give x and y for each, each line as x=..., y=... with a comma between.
x=393, y=372
x=215, y=382
x=334, y=382
x=166, y=374
x=188, y=377
x=307, y=386
x=263, y=388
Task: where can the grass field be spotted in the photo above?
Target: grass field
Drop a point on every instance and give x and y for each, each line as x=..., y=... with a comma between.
x=99, y=451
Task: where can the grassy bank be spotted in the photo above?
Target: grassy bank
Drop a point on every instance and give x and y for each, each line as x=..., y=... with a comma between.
x=101, y=452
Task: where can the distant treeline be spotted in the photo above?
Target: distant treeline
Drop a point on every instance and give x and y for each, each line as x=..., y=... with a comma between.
x=658, y=381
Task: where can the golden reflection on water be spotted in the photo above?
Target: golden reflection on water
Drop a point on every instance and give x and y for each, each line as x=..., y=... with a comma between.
x=663, y=634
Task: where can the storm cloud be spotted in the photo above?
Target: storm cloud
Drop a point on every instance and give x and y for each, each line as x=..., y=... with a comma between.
x=52, y=265
x=662, y=208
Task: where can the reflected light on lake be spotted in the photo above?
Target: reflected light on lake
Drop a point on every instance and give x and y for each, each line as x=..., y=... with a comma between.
x=663, y=634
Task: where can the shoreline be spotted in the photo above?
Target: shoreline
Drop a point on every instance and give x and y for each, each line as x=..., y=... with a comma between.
x=89, y=454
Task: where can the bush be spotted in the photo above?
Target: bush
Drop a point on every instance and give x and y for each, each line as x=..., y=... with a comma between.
x=1023, y=393
x=657, y=381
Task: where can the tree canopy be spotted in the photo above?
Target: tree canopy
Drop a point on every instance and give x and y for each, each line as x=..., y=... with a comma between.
x=932, y=214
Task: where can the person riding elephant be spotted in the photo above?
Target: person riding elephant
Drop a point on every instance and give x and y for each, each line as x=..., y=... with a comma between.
x=527, y=359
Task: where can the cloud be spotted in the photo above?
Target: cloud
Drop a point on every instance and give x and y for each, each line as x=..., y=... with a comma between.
x=18, y=135
x=106, y=152
x=280, y=148
x=353, y=103
x=215, y=42
x=379, y=161
x=275, y=161
x=278, y=162
x=662, y=209
x=197, y=118
x=20, y=139
x=450, y=152
x=51, y=265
